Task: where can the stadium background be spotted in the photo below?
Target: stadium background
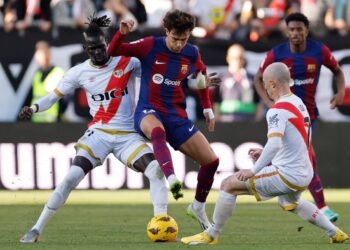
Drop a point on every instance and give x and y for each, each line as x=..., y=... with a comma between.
x=115, y=214
x=37, y=156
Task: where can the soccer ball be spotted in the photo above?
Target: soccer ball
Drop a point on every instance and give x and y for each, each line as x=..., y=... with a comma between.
x=162, y=228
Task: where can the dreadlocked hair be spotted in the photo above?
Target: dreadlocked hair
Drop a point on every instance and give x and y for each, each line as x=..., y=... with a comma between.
x=96, y=23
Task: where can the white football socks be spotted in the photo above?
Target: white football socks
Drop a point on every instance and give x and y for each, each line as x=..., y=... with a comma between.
x=223, y=209
x=59, y=196
x=157, y=188
x=309, y=212
x=198, y=206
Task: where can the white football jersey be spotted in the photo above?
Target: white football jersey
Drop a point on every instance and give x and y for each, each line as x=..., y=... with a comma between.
x=110, y=90
x=289, y=119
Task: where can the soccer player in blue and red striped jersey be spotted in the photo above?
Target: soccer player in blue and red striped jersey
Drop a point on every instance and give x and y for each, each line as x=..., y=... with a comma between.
x=160, y=114
x=304, y=58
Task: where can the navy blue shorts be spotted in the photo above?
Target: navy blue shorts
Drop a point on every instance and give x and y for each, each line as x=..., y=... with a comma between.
x=178, y=130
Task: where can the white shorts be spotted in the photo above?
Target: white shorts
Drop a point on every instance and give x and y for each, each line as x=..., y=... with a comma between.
x=269, y=183
x=96, y=144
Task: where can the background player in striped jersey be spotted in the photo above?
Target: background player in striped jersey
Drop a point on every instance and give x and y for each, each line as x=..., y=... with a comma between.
x=109, y=85
x=160, y=113
x=288, y=149
x=304, y=58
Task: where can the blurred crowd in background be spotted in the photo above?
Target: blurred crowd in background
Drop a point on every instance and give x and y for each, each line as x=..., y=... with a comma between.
x=229, y=20
x=223, y=19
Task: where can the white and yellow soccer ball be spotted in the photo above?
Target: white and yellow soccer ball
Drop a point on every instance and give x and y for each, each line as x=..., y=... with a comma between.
x=162, y=228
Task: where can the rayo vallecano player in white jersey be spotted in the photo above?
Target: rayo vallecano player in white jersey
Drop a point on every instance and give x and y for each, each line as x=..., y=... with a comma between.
x=109, y=84
x=290, y=172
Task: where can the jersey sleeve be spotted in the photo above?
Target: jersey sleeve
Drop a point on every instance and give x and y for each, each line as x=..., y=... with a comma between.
x=138, y=48
x=199, y=64
x=276, y=122
x=203, y=94
x=68, y=83
x=328, y=59
x=136, y=66
x=269, y=59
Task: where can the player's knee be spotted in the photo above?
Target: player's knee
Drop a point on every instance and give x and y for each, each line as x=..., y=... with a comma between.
x=230, y=185
x=226, y=185
x=83, y=163
x=143, y=162
x=158, y=133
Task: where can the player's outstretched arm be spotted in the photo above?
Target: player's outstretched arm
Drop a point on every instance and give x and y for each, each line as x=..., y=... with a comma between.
x=42, y=104
x=25, y=113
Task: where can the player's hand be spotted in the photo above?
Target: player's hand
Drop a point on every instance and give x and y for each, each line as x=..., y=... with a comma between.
x=244, y=174
x=210, y=119
x=213, y=79
x=25, y=114
x=337, y=99
x=126, y=26
x=254, y=153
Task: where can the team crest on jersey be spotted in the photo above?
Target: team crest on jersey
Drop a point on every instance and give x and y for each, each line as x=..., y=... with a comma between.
x=311, y=67
x=273, y=121
x=118, y=73
x=184, y=68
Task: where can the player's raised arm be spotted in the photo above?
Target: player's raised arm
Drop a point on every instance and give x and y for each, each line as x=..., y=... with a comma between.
x=137, y=48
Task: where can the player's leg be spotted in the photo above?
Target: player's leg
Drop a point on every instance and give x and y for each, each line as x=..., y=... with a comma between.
x=147, y=165
x=152, y=127
x=262, y=186
x=316, y=190
x=224, y=207
x=90, y=153
x=309, y=212
x=197, y=147
x=133, y=151
x=81, y=166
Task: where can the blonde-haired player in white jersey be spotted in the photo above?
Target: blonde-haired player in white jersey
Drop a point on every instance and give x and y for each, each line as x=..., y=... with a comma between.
x=109, y=85
x=282, y=168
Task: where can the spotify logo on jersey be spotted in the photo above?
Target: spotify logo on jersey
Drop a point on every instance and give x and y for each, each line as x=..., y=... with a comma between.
x=157, y=78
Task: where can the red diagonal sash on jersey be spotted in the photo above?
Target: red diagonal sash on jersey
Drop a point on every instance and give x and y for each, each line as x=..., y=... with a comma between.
x=298, y=122
x=119, y=85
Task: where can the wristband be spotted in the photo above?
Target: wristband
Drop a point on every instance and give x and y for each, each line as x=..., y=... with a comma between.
x=209, y=112
x=35, y=107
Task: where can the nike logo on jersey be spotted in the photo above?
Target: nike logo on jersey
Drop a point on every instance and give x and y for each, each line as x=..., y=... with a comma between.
x=191, y=128
x=159, y=62
x=148, y=111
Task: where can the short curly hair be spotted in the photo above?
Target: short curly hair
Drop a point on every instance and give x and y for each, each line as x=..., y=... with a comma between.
x=297, y=17
x=178, y=21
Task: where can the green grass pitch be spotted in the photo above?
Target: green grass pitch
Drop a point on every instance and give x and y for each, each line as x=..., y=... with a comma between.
x=118, y=219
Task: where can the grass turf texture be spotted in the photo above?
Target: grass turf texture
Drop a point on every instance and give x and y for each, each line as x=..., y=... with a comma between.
x=118, y=219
